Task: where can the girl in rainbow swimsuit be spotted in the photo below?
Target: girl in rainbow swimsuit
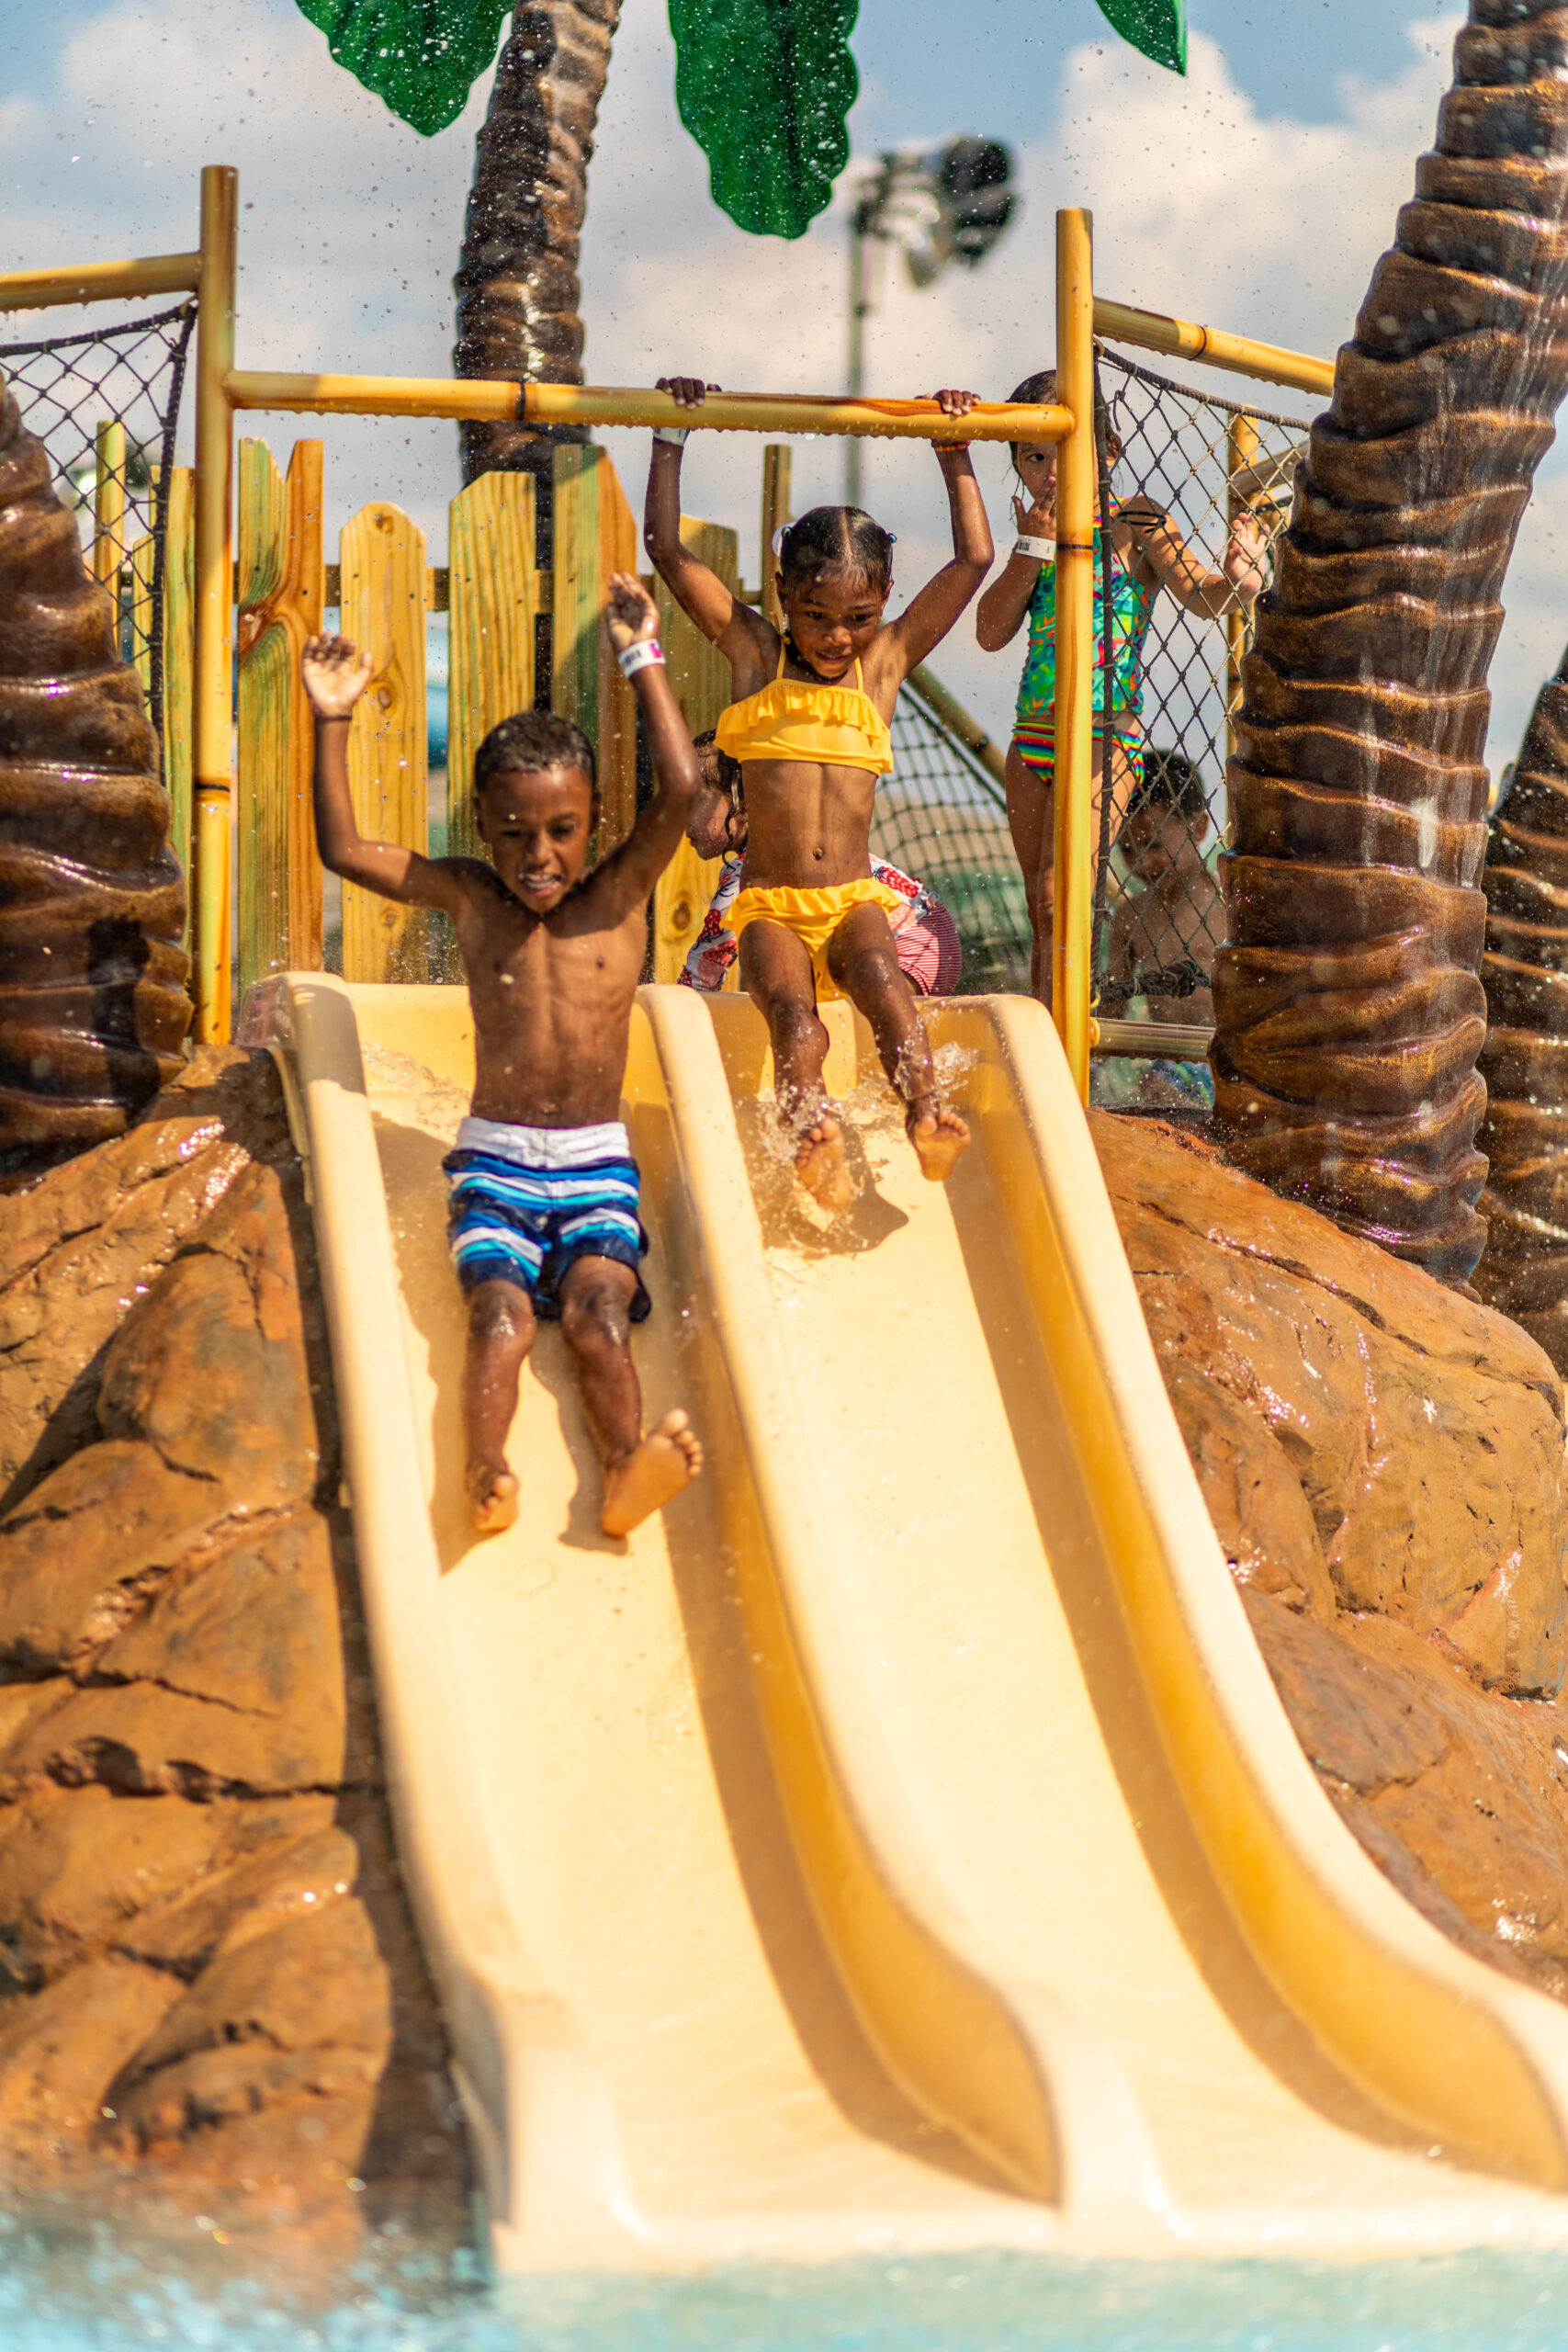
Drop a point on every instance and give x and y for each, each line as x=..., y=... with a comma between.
x=1147, y=553
x=811, y=728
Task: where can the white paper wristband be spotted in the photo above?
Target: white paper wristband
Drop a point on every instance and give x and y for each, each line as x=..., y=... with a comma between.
x=643, y=655
x=674, y=434
x=1042, y=550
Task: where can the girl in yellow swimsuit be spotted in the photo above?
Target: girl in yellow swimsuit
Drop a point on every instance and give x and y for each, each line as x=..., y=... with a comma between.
x=810, y=726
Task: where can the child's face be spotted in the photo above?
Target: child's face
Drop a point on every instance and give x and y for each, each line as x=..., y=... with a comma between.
x=1161, y=840
x=832, y=618
x=537, y=823
x=1035, y=466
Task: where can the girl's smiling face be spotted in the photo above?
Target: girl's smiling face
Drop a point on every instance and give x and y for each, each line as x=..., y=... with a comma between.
x=831, y=618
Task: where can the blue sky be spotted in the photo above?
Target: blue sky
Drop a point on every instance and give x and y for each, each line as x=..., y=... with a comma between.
x=1256, y=195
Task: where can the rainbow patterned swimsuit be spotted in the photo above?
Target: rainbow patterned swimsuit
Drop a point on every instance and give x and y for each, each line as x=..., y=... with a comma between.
x=1034, y=728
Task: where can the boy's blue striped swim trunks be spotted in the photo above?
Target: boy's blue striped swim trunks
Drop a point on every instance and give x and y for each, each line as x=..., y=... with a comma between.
x=528, y=1202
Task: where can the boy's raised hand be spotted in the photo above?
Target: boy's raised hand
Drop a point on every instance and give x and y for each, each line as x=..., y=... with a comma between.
x=631, y=615
x=335, y=674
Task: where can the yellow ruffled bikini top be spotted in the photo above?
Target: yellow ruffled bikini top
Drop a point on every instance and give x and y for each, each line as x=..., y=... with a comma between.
x=790, y=720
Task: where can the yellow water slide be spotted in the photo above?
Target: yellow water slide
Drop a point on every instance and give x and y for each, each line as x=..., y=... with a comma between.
x=898, y=1843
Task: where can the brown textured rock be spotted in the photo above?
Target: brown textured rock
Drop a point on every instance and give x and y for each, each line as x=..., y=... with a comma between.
x=201, y=1921
x=1403, y=1571
x=1357, y=786
x=92, y=901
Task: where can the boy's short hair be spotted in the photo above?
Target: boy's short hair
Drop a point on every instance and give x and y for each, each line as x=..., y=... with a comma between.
x=1168, y=780
x=531, y=741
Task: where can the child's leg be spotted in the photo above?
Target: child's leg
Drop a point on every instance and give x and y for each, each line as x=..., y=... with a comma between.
x=641, y=1473
x=776, y=973
x=501, y=1331
x=864, y=960
x=1032, y=823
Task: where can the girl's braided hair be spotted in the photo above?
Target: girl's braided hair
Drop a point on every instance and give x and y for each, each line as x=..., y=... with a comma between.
x=837, y=538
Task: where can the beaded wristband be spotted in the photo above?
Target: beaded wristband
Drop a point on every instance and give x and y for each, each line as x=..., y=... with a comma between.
x=643, y=655
x=674, y=434
x=1043, y=550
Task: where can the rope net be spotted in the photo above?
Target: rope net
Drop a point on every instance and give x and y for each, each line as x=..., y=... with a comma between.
x=1205, y=463
x=106, y=404
x=941, y=816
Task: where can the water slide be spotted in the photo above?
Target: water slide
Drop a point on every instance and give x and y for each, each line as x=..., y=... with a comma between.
x=898, y=1843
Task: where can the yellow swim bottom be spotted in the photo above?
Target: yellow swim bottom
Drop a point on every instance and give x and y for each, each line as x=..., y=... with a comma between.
x=815, y=917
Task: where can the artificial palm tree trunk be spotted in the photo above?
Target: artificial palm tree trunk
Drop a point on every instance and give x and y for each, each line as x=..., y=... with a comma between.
x=518, y=290
x=1349, y=1012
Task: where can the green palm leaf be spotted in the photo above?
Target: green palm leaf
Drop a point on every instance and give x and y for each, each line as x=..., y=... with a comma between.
x=421, y=56
x=1157, y=27
x=763, y=86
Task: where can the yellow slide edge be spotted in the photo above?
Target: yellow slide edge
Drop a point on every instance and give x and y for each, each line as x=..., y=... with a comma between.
x=1477, y=2061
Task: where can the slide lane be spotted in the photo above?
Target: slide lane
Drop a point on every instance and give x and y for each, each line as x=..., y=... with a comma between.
x=898, y=1843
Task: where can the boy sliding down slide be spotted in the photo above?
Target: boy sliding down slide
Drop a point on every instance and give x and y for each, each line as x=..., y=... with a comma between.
x=544, y=1203
x=811, y=727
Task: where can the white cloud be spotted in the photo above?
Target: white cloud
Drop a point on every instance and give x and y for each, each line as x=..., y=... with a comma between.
x=1204, y=206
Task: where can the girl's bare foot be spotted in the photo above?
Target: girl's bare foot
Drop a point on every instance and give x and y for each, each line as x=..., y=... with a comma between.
x=492, y=1497
x=941, y=1138
x=819, y=1163
x=668, y=1459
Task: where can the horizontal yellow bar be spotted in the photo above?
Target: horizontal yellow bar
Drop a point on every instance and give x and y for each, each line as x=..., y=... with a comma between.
x=1270, y=362
x=450, y=396
x=1177, y=1041
x=793, y=412
x=99, y=281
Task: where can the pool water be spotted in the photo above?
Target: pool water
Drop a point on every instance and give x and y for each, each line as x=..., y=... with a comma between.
x=103, y=2299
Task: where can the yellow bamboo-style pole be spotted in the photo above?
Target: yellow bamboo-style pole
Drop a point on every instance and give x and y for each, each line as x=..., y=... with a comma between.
x=100, y=281
x=775, y=515
x=214, y=749
x=1241, y=455
x=108, y=503
x=1072, y=855
x=1269, y=363
x=587, y=405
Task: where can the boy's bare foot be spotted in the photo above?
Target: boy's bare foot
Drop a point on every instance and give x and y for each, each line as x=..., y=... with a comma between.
x=820, y=1165
x=492, y=1497
x=941, y=1139
x=668, y=1458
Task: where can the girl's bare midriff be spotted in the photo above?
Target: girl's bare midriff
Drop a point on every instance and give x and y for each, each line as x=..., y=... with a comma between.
x=808, y=824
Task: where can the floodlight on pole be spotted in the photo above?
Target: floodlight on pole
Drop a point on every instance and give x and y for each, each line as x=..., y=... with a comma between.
x=937, y=205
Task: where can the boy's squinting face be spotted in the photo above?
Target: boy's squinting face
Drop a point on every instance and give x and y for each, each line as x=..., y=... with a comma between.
x=536, y=824
x=1158, y=840
x=832, y=618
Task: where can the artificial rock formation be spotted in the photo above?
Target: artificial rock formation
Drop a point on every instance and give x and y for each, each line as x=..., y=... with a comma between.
x=1383, y=1463
x=1348, y=1014
x=207, y=1976
x=93, y=1005
x=1525, y=1060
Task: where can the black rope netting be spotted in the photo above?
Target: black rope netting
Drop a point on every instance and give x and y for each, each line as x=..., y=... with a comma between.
x=70, y=387
x=1207, y=463
x=941, y=816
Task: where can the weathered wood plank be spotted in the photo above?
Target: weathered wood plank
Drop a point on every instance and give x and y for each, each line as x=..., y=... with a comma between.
x=281, y=588
x=699, y=675
x=578, y=589
x=177, y=491
x=494, y=599
x=616, y=742
x=382, y=554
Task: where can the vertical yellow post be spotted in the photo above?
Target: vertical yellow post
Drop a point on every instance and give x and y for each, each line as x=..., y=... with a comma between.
x=178, y=495
x=214, y=755
x=775, y=515
x=1074, y=847
x=109, y=504
x=1241, y=453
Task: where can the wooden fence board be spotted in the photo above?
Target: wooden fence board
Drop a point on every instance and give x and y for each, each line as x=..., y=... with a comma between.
x=493, y=602
x=616, y=740
x=699, y=675
x=382, y=554
x=281, y=585
x=574, y=629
